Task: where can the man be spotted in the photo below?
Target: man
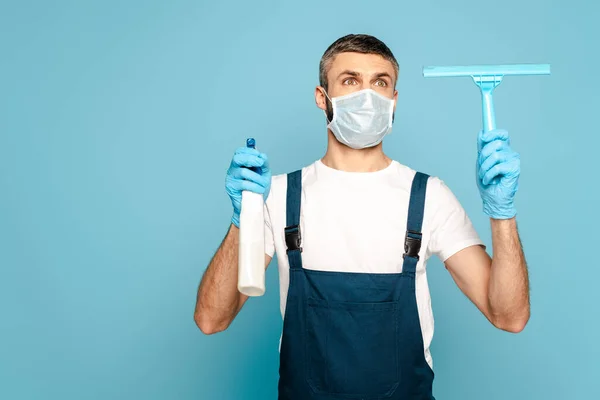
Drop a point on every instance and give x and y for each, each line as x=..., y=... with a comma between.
x=353, y=232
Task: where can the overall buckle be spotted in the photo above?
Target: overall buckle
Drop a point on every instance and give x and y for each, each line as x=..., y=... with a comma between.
x=293, y=238
x=412, y=245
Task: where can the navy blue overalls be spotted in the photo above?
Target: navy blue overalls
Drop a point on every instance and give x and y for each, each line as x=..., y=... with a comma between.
x=353, y=335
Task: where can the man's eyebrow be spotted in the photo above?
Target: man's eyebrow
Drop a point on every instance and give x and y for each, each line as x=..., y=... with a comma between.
x=357, y=74
x=349, y=72
x=382, y=75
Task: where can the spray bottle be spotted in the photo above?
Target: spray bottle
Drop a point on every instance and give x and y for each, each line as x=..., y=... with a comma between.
x=251, y=262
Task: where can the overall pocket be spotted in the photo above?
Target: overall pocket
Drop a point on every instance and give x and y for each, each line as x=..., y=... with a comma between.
x=352, y=348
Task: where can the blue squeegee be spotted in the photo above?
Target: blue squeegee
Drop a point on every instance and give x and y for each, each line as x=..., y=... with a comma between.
x=487, y=77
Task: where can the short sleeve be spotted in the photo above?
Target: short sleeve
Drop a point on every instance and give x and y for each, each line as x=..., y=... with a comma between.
x=269, y=239
x=451, y=228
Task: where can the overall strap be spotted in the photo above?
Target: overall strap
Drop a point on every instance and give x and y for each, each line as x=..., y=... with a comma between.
x=416, y=209
x=292, y=229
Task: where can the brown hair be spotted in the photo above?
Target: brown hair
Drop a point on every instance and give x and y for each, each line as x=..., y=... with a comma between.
x=356, y=43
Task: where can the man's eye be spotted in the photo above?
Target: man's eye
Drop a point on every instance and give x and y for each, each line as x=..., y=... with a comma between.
x=350, y=81
x=381, y=83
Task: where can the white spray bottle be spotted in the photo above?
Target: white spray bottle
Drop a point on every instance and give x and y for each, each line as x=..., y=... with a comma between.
x=251, y=261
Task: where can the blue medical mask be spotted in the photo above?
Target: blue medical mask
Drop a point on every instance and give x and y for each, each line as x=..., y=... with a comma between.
x=361, y=119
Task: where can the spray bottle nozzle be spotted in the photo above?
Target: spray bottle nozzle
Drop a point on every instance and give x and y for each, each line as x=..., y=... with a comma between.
x=251, y=143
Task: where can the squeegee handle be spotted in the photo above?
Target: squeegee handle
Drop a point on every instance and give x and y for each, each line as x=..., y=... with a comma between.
x=489, y=118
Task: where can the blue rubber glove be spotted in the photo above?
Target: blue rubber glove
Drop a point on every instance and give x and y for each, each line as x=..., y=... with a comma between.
x=240, y=177
x=497, y=172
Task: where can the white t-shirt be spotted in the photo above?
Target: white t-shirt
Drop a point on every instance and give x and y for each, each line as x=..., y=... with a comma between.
x=356, y=222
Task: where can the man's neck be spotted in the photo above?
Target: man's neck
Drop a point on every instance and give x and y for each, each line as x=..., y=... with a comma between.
x=344, y=158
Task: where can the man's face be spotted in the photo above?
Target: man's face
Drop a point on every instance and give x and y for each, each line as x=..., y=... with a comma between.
x=351, y=72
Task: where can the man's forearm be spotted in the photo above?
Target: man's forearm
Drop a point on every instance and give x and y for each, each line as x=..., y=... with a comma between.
x=509, y=281
x=218, y=299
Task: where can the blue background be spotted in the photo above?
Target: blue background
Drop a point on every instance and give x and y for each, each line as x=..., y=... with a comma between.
x=119, y=119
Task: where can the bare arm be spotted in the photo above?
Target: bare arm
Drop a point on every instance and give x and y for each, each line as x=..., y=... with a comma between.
x=218, y=301
x=498, y=286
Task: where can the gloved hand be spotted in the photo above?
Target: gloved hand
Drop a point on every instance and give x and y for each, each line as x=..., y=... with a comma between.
x=240, y=177
x=497, y=171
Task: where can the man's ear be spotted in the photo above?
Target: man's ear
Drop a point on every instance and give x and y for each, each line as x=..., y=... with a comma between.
x=320, y=98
